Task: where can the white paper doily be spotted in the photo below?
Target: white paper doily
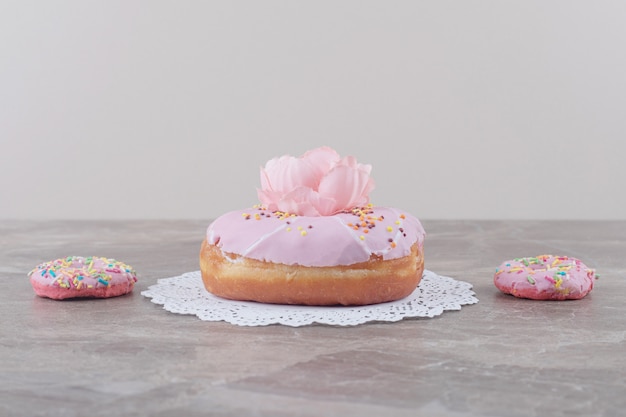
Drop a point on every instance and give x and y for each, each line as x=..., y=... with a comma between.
x=185, y=294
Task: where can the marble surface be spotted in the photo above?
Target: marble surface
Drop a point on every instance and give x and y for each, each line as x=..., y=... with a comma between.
x=127, y=356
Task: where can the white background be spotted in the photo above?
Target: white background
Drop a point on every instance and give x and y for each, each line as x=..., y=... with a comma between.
x=167, y=109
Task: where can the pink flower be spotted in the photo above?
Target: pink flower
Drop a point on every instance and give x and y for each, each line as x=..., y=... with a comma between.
x=319, y=183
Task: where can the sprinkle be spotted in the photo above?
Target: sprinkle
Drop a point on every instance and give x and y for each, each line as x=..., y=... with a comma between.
x=389, y=229
x=303, y=233
x=362, y=237
x=402, y=216
x=529, y=279
x=103, y=282
x=393, y=244
x=288, y=229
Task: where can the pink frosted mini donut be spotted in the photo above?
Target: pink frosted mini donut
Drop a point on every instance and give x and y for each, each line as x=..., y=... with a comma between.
x=545, y=277
x=75, y=277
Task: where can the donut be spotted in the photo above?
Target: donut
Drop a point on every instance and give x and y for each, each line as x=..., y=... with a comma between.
x=365, y=255
x=545, y=277
x=314, y=239
x=80, y=277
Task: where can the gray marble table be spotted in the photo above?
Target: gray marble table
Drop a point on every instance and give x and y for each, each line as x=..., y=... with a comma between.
x=126, y=356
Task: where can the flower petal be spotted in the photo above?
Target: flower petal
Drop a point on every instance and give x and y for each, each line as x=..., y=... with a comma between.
x=286, y=173
x=299, y=201
x=347, y=185
x=322, y=159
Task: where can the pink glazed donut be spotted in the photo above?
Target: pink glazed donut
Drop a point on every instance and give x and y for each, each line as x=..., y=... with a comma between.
x=366, y=255
x=545, y=277
x=78, y=277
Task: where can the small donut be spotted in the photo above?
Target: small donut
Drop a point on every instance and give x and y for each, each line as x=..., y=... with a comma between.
x=79, y=277
x=545, y=277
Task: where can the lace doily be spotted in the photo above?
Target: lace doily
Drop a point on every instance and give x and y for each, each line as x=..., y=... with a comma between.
x=185, y=294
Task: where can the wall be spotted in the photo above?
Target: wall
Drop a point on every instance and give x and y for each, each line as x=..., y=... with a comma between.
x=166, y=109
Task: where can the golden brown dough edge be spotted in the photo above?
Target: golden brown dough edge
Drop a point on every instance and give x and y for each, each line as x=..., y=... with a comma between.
x=371, y=282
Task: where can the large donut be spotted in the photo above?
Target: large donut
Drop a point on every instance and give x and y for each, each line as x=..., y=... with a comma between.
x=79, y=277
x=545, y=277
x=361, y=256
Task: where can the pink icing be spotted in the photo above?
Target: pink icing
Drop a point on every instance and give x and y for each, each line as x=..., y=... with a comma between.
x=76, y=276
x=545, y=277
x=346, y=238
